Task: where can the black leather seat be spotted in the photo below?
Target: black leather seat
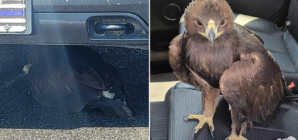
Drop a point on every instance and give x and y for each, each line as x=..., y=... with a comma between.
x=183, y=99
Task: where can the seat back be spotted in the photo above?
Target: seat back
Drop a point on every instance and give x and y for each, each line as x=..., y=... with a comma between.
x=293, y=29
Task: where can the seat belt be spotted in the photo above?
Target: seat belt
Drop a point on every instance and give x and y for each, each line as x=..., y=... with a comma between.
x=290, y=14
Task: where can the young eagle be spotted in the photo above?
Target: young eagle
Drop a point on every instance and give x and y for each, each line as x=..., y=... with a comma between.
x=72, y=77
x=222, y=56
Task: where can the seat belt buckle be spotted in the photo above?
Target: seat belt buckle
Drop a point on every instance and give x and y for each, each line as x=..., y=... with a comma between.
x=292, y=85
x=288, y=23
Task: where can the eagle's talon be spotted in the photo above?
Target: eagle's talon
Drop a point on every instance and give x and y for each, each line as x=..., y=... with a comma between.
x=194, y=134
x=202, y=120
x=198, y=117
x=211, y=132
x=194, y=131
x=244, y=131
x=185, y=118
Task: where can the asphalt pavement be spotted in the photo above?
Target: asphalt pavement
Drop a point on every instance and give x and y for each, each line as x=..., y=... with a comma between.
x=22, y=117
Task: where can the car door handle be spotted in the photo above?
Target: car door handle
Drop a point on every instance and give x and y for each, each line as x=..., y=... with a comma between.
x=100, y=28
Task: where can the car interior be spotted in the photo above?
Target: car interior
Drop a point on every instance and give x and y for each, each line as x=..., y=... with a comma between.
x=273, y=20
x=117, y=30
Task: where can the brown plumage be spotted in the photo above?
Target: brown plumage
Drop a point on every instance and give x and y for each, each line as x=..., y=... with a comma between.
x=72, y=77
x=222, y=56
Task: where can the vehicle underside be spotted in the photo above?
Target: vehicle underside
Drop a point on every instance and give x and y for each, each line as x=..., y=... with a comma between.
x=170, y=100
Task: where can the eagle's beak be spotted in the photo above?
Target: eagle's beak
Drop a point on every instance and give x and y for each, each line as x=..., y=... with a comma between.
x=211, y=32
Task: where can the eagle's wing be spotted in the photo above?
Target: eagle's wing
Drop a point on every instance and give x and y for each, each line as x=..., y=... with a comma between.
x=243, y=30
x=177, y=62
x=58, y=88
x=70, y=78
x=114, y=100
x=84, y=58
x=87, y=61
x=253, y=86
x=56, y=83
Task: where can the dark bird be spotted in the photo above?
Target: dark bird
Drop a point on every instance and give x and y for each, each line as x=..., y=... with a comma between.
x=69, y=78
x=217, y=55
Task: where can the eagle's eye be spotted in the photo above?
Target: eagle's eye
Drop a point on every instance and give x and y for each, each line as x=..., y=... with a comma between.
x=199, y=23
x=223, y=23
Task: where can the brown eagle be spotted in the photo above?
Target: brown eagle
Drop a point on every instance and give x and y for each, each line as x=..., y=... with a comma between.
x=218, y=55
x=70, y=78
